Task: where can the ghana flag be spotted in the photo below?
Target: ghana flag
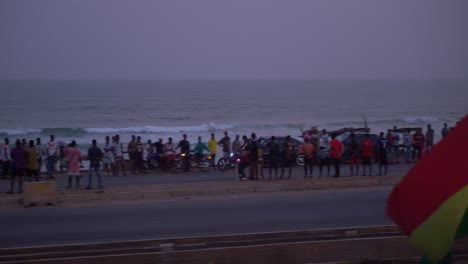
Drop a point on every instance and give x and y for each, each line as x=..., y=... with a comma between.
x=431, y=203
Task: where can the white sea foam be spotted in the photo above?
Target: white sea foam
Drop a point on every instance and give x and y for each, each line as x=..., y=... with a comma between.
x=161, y=129
x=19, y=131
x=421, y=119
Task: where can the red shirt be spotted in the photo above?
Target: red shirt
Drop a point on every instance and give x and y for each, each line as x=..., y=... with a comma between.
x=367, y=147
x=336, y=149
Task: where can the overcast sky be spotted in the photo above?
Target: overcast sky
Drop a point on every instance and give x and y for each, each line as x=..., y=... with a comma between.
x=234, y=39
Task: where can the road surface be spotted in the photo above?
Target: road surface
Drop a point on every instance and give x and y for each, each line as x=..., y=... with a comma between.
x=201, y=217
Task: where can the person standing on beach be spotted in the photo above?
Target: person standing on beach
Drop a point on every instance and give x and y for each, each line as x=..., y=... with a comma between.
x=337, y=150
x=225, y=143
x=41, y=154
x=314, y=137
x=445, y=130
x=184, y=146
x=31, y=165
x=169, y=154
x=73, y=157
x=253, y=160
x=109, y=157
x=407, y=143
x=383, y=149
x=308, y=150
x=149, y=150
x=429, y=138
x=288, y=157
x=7, y=158
x=61, y=155
x=273, y=154
x=132, y=154
x=95, y=156
x=354, y=159
x=199, y=149
x=395, y=145
x=236, y=145
x=17, y=160
x=118, y=156
x=159, y=148
x=367, y=147
x=212, y=145
x=324, y=156
x=51, y=157
x=418, y=145
x=140, y=148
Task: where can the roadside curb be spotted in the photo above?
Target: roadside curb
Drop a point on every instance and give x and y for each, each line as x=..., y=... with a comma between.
x=161, y=192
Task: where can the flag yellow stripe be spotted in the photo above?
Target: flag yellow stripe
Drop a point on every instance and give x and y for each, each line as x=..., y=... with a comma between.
x=435, y=236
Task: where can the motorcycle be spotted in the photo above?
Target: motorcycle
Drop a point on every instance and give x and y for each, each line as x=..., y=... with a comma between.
x=227, y=163
x=201, y=162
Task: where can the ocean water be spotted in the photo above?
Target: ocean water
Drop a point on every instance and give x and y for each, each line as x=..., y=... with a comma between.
x=92, y=109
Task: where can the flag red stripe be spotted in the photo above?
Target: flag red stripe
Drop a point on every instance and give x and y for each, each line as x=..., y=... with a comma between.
x=439, y=175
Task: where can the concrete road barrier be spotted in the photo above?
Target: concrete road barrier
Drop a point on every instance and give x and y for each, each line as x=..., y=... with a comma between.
x=351, y=245
x=41, y=193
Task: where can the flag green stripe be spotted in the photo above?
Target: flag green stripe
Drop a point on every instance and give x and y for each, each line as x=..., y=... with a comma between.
x=463, y=227
x=435, y=236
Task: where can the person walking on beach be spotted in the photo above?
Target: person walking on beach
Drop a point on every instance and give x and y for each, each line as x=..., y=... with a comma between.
x=225, y=143
x=31, y=165
x=273, y=154
x=287, y=157
x=51, y=157
x=184, y=146
x=308, y=150
x=429, y=138
x=354, y=159
x=73, y=157
x=118, y=156
x=95, y=156
x=17, y=160
x=367, y=146
x=383, y=149
x=337, y=150
x=6, y=158
x=109, y=157
x=212, y=145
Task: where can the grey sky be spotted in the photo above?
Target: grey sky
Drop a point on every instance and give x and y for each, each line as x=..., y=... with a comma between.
x=234, y=39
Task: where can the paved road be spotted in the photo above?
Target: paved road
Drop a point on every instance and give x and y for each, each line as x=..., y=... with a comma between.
x=296, y=211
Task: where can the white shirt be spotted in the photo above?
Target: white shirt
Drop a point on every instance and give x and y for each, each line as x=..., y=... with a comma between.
x=6, y=152
x=117, y=149
x=51, y=148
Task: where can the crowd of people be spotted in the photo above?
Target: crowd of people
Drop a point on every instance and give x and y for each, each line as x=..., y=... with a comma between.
x=320, y=149
x=25, y=159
